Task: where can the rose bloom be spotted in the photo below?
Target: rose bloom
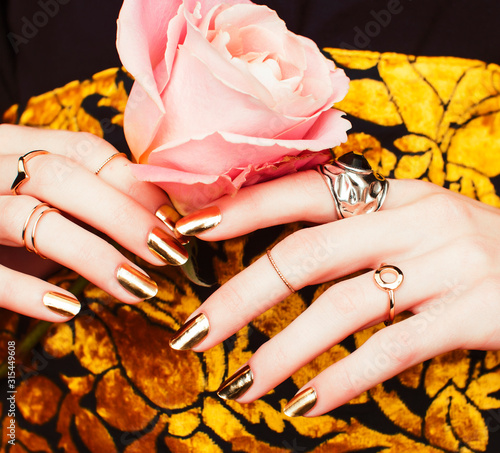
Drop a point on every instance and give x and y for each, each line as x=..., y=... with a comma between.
x=224, y=96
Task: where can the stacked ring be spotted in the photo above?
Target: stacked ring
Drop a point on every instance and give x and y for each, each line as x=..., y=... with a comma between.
x=35, y=225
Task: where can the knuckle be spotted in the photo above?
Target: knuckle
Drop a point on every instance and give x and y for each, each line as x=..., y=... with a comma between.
x=449, y=208
x=277, y=353
x=123, y=212
x=298, y=243
x=395, y=350
x=53, y=170
x=232, y=300
x=476, y=252
x=311, y=184
x=350, y=383
x=346, y=299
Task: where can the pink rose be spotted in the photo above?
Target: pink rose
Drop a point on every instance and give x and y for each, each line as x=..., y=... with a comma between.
x=224, y=96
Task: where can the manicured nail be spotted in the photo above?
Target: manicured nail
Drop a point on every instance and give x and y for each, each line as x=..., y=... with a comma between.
x=169, y=216
x=191, y=333
x=166, y=247
x=137, y=283
x=199, y=221
x=235, y=386
x=62, y=304
x=301, y=403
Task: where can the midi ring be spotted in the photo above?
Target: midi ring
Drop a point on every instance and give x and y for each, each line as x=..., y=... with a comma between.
x=22, y=172
x=35, y=225
x=355, y=187
x=389, y=287
x=108, y=160
x=284, y=280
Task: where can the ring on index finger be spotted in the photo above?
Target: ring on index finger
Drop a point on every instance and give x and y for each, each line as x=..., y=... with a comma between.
x=355, y=187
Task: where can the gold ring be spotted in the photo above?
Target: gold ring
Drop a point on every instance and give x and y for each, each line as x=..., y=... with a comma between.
x=22, y=171
x=109, y=159
x=33, y=231
x=26, y=223
x=285, y=281
x=389, y=287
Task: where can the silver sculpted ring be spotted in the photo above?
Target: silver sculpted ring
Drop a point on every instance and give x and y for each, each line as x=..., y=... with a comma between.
x=355, y=187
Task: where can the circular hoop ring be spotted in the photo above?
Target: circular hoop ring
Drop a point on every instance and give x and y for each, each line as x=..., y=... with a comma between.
x=108, y=160
x=22, y=171
x=388, y=269
x=389, y=287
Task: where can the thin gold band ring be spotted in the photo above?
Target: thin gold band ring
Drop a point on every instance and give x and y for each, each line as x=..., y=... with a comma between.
x=273, y=263
x=108, y=160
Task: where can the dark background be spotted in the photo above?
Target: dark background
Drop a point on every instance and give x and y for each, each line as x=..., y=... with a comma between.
x=47, y=43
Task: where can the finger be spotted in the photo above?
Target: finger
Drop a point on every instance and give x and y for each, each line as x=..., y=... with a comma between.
x=36, y=298
x=386, y=354
x=309, y=256
x=89, y=151
x=348, y=307
x=59, y=239
x=81, y=194
x=303, y=196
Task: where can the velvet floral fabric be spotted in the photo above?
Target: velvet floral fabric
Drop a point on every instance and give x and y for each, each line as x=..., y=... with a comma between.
x=108, y=381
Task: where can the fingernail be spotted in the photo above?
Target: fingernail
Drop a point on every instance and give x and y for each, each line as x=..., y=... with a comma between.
x=191, y=333
x=235, y=386
x=199, y=221
x=166, y=247
x=136, y=283
x=62, y=304
x=169, y=216
x=301, y=403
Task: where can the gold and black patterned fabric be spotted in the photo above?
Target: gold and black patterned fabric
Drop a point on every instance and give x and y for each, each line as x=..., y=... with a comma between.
x=108, y=381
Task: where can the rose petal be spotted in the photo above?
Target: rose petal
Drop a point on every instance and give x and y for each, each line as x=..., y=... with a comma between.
x=141, y=39
x=227, y=150
x=190, y=191
x=210, y=105
x=141, y=122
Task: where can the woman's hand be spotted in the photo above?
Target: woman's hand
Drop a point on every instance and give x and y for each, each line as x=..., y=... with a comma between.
x=447, y=245
x=112, y=203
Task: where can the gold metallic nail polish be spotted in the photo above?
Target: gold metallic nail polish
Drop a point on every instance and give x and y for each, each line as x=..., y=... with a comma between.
x=198, y=222
x=235, y=386
x=136, y=282
x=169, y=216
x=61, y=304
x=191, y=333
x=167, y=248
x=301, y=403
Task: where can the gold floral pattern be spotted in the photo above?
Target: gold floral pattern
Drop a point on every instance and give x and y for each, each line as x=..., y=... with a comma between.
x=108, y=381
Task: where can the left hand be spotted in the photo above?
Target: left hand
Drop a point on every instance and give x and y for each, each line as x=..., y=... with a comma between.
x=447, y=245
